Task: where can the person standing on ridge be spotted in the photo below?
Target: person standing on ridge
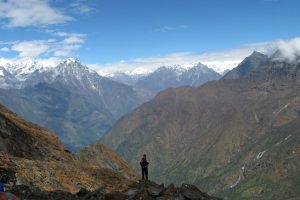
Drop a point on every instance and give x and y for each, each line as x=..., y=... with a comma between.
x=144, y=164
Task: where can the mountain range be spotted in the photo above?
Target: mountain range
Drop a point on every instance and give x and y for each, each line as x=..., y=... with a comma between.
x=167, y=77
x=70, y=99
x=237, y=137
x=76, y=102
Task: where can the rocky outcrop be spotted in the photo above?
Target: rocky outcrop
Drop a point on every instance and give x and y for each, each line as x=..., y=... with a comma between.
x=139, y=190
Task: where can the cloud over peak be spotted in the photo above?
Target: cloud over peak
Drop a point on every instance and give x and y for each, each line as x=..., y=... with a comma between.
x=30, y=48
x=290, y=49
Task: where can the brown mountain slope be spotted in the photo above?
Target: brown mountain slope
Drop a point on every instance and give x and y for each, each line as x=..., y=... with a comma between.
x=31, y=155
x=24, y=139
x=100, y=155
x=208, y=135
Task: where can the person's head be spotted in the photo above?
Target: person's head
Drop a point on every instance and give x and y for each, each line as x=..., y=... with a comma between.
x=144, y=156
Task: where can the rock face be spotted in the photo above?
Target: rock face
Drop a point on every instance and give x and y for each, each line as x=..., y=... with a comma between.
x=138, y=190
x=250, y=64
x=33, y=156
x=237, y=138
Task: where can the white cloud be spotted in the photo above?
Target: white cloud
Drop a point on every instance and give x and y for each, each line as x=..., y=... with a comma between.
x=60, y=47
x=5, y=49
x=72, y=42
x=75, y=38
x=61, y=34
x=20, y=13
x=31, y=49
x=49, y=62
x=48, y=52
x=81, y=7
x=70, y=38
x=290, y=49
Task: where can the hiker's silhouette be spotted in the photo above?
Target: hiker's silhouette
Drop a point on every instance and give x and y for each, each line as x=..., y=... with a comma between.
x=144, y=164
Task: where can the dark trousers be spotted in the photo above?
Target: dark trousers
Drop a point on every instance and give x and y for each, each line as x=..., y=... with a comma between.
x=145, y=173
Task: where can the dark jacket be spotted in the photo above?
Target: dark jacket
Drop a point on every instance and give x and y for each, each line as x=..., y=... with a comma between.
x=1, y=187
x=144, y=163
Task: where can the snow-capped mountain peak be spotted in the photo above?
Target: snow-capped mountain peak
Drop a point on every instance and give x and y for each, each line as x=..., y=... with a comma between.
x=177, y=69
x=138, y=71
x=200, y=68
x=135, y=72
x=71, y=61
x=127, y=77
x=105, y=73
x=20, y=69
x=25, y=73
x=74, y=65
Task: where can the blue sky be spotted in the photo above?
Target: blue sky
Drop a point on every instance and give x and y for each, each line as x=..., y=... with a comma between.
x=128, y=34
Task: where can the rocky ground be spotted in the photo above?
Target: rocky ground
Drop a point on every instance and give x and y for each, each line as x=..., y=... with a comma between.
x=141, y=190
